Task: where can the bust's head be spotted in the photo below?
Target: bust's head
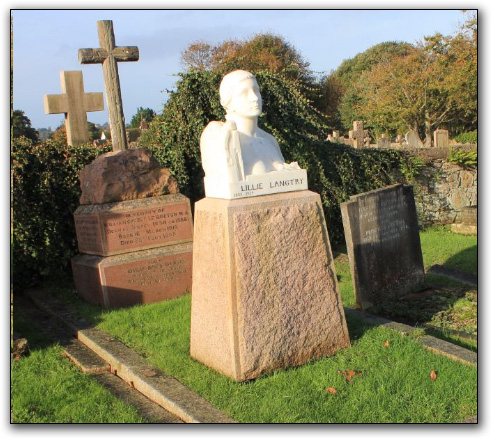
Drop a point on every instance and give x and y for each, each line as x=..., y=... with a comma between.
x=240, y=94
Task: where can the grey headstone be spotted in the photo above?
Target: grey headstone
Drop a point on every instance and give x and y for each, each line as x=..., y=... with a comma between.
x=384, y=142
x=441, y=138
x=413, y=140
x=383, y=244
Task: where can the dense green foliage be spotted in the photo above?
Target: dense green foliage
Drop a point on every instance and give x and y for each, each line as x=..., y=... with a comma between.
x=146, y=114
x=467, y=159
x=334, y=171
x=45, y=193
x=21, y=126
x=471, y=137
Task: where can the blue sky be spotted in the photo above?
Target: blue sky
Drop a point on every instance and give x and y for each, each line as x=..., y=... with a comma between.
x=47, y=42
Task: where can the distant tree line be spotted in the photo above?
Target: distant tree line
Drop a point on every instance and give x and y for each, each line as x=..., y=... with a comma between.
x=392, y=87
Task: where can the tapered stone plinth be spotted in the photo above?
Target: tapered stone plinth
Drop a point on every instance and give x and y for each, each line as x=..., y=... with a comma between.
x=265, y=293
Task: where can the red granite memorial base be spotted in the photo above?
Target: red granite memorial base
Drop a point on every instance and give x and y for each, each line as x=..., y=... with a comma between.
x=134, y=278
x=127, y=226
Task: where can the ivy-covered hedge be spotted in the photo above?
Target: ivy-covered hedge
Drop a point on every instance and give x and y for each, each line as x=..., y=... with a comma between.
x=46, y=191
x=45, y=176
x=335, y=171
x=471, y=137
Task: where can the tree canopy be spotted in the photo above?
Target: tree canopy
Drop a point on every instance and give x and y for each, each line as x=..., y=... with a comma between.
x=394, y=87
x=146, y=114
x=21, y=126
x=261, y=52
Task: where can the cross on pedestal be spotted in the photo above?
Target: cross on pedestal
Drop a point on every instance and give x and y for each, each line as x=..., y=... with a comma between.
x=108, y=55
x=75, y=104
x=358, y=134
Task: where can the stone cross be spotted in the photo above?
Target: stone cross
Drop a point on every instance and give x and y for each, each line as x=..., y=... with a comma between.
x=108, y=55
x=75, y=104
x=358, y=134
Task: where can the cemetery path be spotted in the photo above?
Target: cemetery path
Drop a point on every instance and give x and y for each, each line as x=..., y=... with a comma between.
x=460, y=276
x=88, y=362
x=158, y=397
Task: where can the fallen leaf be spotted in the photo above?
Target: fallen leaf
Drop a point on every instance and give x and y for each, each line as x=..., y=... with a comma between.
x=386, y=344
x=348, y=374
x=331, y=390
x=433, y=375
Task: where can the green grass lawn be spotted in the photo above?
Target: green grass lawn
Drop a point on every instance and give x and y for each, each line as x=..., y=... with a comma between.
x=393, y=385
x=48, y=388
x=443, y=247
x=453, y=307
x=390, y=383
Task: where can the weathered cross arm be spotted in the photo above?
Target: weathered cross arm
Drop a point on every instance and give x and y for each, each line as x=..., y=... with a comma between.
x=109, y=55
x=97, y=56
x=55, y=104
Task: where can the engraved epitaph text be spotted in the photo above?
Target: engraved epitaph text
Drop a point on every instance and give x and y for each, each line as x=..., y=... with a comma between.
x=383, y=244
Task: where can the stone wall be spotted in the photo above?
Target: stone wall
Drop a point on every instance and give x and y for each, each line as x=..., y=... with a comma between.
x=441, y=190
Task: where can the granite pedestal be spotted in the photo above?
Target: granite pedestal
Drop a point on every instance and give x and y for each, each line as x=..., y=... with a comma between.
x=134, y=252
x=265, y=293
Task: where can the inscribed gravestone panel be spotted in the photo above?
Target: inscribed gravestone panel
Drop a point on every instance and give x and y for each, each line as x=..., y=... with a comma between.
x=441, y=138
x=383, y=244
x=133, y=225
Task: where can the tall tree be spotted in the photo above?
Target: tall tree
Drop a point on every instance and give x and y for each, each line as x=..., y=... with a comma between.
x=346, y=79
x=146, y=114
x=261, y=52
x=21, y=126
x=433, y=86
x=197, y=56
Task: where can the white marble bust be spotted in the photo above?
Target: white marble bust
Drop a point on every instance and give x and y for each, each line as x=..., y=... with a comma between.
x=239, y=158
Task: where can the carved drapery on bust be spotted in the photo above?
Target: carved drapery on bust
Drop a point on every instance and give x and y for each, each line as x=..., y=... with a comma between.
x=239, y=158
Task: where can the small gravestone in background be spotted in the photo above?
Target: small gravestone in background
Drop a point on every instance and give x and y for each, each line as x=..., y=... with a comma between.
x=413, y=140
x=75, y=104
x=441, y=139
x=383, y=244
x=384, y=142
x=358, y=134
x=469, y=221
x=399, y=140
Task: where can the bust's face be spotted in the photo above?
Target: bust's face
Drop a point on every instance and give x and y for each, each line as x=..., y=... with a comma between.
x=246, y=99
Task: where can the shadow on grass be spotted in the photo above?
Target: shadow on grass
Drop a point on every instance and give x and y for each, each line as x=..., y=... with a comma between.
x=466, y=260
x=40, y=327
x=445, y=303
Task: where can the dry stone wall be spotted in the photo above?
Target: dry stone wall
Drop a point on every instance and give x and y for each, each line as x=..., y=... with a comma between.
x=442, y=190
